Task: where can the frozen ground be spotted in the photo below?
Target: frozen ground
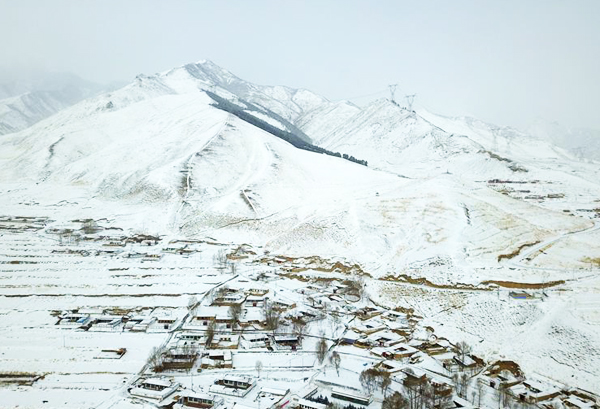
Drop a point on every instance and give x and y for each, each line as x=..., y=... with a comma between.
x=446, y=206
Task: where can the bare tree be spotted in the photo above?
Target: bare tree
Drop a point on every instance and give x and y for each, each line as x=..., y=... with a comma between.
x=463, y=350
x=357, y=287
x=235, y=310
x=321, y=349
x=480, y=393
x=210, y=333
x=502, y=395
x=373, y=378
x=368, y=379
x=298, y=326
x=395, y=401
x=386, y=381
x=220, y=259
x=336, y=360
x=461, y=381
x=415, y=388
x=272, y=317
x=155, y=359
x=428, y=395
x=259, y=367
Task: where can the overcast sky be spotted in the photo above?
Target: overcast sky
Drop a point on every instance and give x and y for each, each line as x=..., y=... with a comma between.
x=508, y=62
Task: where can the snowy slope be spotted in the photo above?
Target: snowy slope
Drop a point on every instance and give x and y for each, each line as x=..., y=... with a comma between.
x=160, y=143
x=581, y=142
x=287, y=102
x=25, y=102
x=442, y=199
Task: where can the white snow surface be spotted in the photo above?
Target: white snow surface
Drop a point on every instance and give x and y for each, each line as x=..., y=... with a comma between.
x=156, y=157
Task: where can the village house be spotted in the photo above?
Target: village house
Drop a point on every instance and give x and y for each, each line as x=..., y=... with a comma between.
x=384, y=338
x=350, y=337
x=191, y=337
x=74, y=320
x=578, y=400
x=164, y=323
x=216, y=359
x=257, y=292
x=107, y=323
x=154, y=388
x=253, y=319
x=307, y=404
x=251, y=341
x=229, y=299
x=392, y=367
x=468, y=363
x=232, y=385
x=533, y=391
x=204, y=315
x=180, y=357
x=351, y=396
x=366, y=313
x=190, y=399
x=431, y=348
x=397, y=352
x=286, y=342
x=368, y=327
x=225, y=341
x=255, y=301
x=502, y=374
x=282, y=304
x=139, y=323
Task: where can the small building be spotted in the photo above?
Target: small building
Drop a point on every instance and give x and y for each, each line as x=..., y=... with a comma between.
x=520, y=295
x=154, y=388
x=229, y=299
x=291, y=342
x=190, y=399
x=216, y=359
x=255, y=301
x=191, y=337
x=238, y=386
x=250, y=341
x=108, y=322
x=350, y=337
x=351, y=396
x=166, y=322
x=75, y=320
x=309, y=404
x=236, y=382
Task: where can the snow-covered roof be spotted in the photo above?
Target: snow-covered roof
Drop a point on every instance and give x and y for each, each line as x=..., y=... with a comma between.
x=157, y=381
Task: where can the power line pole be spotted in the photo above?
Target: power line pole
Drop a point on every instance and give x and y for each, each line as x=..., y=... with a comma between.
x=409, y=101
x=392, y=88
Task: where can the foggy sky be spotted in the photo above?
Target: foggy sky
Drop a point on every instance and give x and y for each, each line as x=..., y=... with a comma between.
x=507, y=62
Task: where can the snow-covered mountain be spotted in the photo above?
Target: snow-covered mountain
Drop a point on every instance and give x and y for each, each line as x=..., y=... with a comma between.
x=24, y=102
x=163, y=142
x=453, y=201
x=581, y=142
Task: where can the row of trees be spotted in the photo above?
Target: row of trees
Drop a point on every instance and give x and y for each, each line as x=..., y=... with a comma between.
x=297, y=138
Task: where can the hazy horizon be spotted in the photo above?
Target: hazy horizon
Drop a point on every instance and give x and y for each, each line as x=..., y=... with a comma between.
x=509, y=63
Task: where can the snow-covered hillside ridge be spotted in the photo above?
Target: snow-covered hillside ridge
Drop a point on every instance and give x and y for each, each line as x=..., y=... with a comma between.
x=452, y=188
x=447, y=210
x=583, y=143
x=25, y=102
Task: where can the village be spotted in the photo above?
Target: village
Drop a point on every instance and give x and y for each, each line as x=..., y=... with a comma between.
x=202, y=324
x=261, y=338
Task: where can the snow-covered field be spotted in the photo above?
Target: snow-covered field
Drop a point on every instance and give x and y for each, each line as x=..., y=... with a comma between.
x=447, y=210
